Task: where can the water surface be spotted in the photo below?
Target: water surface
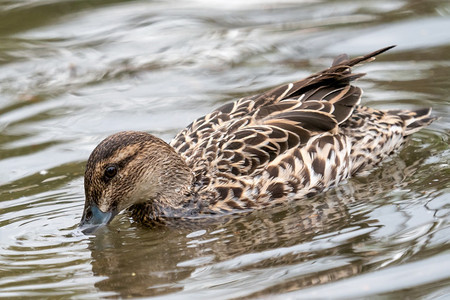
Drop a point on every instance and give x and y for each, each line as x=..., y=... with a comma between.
x=73, y=72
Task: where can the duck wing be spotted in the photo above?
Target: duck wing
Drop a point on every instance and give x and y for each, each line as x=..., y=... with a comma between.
x=252, y=131
x=244, y=137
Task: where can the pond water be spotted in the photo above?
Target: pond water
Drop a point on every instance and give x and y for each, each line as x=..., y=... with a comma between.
x=73, y=72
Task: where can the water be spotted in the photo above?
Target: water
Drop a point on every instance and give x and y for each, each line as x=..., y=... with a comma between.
x=73, y=72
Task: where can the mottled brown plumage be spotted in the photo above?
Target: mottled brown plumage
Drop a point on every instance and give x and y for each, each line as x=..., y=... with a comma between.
x=288, y=143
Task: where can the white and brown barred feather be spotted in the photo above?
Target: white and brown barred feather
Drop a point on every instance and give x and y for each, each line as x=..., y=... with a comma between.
x=292, y=141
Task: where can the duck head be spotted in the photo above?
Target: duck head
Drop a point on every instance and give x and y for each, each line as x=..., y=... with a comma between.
x=128, y=168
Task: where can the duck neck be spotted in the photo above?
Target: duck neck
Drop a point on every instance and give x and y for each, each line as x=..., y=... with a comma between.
x=171, y=201
x=175, y=184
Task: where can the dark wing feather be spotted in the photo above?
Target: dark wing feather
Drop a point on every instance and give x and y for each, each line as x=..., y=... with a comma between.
x=242, y=137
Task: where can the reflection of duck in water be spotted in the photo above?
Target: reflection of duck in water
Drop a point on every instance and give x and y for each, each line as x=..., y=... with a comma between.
x=160, y=270
x=288, y=143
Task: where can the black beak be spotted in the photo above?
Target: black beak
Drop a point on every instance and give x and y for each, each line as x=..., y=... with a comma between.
x=93, y=218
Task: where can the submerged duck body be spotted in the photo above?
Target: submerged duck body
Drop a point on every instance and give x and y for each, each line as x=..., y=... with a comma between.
x=288, y=143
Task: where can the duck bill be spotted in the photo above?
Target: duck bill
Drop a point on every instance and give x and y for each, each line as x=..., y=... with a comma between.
x=93, y=218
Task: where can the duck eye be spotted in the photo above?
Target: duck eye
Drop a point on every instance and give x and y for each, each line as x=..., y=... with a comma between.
x=110, y=172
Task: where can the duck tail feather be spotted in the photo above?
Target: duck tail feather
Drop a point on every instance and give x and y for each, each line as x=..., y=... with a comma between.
x=414, y=120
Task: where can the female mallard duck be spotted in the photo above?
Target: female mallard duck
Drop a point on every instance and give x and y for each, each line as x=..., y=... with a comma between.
x=288, y=143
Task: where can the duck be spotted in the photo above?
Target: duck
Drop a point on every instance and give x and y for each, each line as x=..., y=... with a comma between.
x=285, y=144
